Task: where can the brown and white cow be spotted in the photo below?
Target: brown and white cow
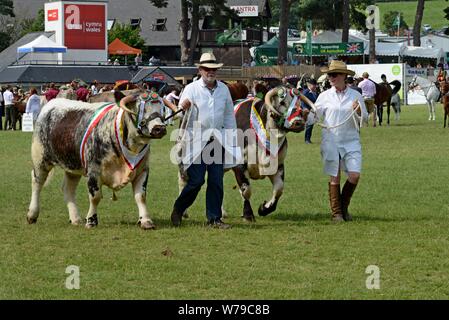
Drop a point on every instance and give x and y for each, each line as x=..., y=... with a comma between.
x=280, y=112
x=106, y=142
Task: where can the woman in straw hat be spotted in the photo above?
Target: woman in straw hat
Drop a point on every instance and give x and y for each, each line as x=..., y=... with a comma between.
x=340, y=145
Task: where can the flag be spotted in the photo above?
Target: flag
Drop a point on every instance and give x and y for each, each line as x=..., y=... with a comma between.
x=229, y=36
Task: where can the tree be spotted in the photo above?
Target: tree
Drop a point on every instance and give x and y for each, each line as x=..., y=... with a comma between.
x=391, y=24
x=7, y=8
x=417, y=25
x=345, y=26
x=283, y=30
x=33, y=24
x=127, y=34
x=197, y=10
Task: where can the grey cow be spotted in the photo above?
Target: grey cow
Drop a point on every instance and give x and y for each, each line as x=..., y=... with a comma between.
x=106, y=142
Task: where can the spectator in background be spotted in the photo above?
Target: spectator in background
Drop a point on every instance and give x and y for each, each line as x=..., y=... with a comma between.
x=172, y=97
x=116, y=62
x=51, y=93
x=253, y=63
x=82, y=93
x=33, y=104
x=10, y=116
x=2, y=108
x=350, y=82
x=312, y=94
x=138, y=59
x=94, y=88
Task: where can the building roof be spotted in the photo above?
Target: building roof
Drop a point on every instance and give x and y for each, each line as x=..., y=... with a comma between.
x=9, y=55
x=39, y=74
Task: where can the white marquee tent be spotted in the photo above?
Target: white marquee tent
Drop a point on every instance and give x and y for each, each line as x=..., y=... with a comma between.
x=42, y=44
x=420, y=52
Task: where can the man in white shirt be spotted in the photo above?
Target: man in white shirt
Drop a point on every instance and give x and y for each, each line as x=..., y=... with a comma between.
x=340, y=109
x=10, y=115
x=213, y=112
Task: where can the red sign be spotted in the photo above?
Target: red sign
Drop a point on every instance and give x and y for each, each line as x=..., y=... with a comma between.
x=84, y=26
x=52, y=15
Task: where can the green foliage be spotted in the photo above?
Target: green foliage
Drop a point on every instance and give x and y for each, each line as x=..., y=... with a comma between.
x=5, y=40
x=33, y=24
x=400, y=212
x=7, y=8
x=127, y=34
x=390, y=22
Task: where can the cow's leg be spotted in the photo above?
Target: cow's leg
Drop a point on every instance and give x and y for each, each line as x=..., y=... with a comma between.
x=380, y=111
x=433, y=109
x=182, y=182
x=241, y=175
x=38, y=177
x=429, y=106
x=69, y=188
x=388, y=113
x=140, y=195
x=277, y=180
x=95, y=196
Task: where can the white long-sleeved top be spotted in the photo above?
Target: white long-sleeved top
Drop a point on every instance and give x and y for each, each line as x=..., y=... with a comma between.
x=33, y=105
x=212, y=114
x=8, y=97
x=334, y=108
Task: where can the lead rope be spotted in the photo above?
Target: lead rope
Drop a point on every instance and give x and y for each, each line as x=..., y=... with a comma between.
x=358, y=120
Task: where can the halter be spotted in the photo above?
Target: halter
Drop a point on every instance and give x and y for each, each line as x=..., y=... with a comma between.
x=143, y=98
x=283, y=122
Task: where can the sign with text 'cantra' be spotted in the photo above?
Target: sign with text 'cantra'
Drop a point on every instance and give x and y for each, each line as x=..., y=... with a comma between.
x=84, y=26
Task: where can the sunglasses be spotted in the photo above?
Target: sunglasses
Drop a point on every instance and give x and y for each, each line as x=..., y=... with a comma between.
x=333, y=75
x=208, y=69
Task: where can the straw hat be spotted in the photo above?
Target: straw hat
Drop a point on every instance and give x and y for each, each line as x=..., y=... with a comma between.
x=208, y=60
x=337, y=66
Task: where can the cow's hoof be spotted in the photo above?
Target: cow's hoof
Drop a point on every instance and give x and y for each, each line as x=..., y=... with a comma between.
x=31, y=220
x=92, y=222
x=185, y=215
x=264, y=211
x=147, y=225
x=77, y=222
x=249, y=218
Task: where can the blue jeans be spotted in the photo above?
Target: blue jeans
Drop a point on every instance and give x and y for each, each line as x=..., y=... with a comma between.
x=214, y=191
x=308, y=133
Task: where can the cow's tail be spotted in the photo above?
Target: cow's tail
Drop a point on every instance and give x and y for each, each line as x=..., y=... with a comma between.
x=397, y=86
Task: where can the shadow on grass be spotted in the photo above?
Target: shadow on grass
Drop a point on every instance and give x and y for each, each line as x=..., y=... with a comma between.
x=325, y=217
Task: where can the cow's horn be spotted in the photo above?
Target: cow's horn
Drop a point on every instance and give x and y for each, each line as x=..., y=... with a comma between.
x=268, y=104
x=307, y=100
x=125, y=101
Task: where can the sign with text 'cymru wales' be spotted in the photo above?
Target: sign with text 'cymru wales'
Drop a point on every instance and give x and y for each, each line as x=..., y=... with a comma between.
x=84, y=26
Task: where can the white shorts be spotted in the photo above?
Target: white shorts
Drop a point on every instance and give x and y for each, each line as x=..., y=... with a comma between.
x=351, y=162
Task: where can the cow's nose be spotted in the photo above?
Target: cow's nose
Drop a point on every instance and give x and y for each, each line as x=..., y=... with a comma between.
x=158, y=131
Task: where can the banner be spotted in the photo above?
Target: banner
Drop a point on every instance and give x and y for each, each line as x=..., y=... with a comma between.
x=229, y=36
x=84, y=26
x=325, y=49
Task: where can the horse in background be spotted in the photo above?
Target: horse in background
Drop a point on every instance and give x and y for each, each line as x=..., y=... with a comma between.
x=444, y=86
x=431, y=92
x=384, y=93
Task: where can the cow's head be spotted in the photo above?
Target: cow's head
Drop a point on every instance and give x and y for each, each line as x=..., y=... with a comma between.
x=284, y=106
x=144, y=108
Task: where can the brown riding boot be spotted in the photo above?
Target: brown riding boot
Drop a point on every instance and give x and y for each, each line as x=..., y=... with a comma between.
x=346, y=194
x=335, y=202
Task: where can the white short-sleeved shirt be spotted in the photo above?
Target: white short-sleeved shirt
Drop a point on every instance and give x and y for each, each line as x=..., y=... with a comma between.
x=8, y=97
x=212, y=114
x=334, y=108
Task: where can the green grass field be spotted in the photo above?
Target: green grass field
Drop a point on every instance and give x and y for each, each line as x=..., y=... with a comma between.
x=433, y=12
x=401, y=225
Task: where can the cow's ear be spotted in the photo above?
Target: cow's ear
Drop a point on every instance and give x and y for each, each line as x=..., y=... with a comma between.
x=118, y=95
